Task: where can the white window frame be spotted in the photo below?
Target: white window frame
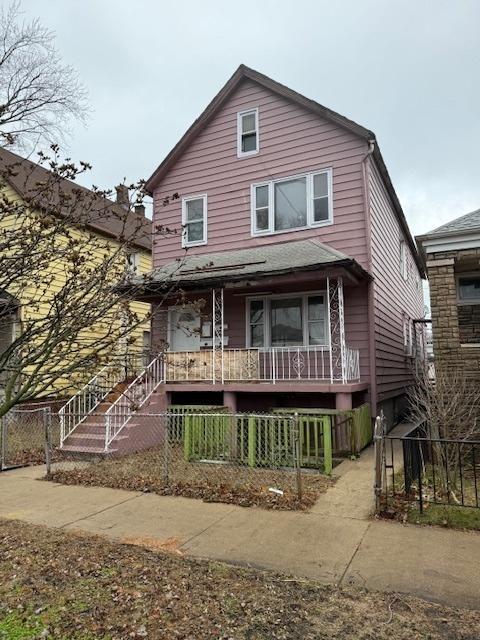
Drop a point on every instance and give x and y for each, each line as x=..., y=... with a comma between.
x=467, y=301
x=240, y=114
x=403, y=260
x=185, y=200
x=310, y=207
x=267, y=326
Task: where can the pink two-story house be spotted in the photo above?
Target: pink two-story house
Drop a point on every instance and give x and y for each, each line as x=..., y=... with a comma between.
x=299, y=278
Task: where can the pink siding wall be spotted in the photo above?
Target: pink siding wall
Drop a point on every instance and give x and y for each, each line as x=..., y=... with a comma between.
x=292, y=140
x=393, y=296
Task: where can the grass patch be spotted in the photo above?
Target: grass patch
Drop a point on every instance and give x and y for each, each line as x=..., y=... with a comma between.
x=446, y=516
x=16, y=627
x=59, y=586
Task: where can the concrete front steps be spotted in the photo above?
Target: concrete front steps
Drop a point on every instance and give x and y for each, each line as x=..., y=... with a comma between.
x=88, y=438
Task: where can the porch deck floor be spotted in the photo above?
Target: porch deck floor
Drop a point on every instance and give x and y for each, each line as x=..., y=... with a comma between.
x=285, y=386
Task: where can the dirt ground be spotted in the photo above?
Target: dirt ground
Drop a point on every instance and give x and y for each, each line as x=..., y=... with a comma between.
x=65, y=586
x=234, y=484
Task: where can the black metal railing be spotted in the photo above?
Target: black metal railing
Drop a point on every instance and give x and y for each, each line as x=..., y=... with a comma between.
x=420, y=468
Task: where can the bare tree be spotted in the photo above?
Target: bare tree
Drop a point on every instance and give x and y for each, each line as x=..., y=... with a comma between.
x=449, y=408
x=61, y=315
x=39, y=95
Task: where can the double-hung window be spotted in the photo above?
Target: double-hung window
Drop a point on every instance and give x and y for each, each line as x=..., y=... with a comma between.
x=194, y=221
x=248, y=142
x=296, y=202
x=287, y=321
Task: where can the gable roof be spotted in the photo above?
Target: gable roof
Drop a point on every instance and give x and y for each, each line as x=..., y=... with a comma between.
x=210, y=269
x=104, y=216
x=246, y=73
x=469, y=222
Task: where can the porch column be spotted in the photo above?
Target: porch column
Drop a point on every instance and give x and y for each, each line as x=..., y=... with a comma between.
x=343, y=401
x=336, y=325
x=217, y=333
x=230, y=400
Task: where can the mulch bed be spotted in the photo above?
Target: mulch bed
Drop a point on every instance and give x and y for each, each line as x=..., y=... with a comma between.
x=63, y=586
x=209, y=482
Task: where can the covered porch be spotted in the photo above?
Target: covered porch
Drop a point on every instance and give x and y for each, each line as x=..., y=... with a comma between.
x=293, y=336
x=290, y=313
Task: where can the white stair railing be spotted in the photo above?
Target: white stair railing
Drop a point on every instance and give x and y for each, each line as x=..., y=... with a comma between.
x=88, y=398
x=133, y=398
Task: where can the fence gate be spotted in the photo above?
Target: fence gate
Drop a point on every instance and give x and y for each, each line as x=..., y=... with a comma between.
x=24, y=438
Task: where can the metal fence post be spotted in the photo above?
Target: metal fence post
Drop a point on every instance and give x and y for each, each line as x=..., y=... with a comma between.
x=298, y=454
x=379, y=443
x=47, y=424
x=3, y=441
x=166, y=444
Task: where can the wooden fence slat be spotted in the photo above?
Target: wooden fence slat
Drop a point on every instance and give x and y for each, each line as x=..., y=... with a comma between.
x=327, y=445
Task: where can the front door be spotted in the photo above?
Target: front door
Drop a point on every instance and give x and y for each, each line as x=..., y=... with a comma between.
x=184, y=330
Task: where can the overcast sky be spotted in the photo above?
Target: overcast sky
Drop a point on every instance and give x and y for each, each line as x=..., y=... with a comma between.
x=407, y=69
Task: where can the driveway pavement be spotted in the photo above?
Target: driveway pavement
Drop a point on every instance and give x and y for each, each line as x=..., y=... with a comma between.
x=336, y=542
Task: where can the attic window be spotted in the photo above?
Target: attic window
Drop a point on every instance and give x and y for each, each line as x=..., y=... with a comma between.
x=247, y=133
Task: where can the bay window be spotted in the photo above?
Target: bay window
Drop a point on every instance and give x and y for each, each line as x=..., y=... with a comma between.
x=287, y=321
x=296, y=202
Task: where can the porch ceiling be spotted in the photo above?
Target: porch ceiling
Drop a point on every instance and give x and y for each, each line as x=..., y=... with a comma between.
x=228, y=267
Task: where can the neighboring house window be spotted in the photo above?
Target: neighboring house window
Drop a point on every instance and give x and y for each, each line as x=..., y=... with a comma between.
x=468, y=298
x=194, y=220
x=247, y=133
x=133, y=262
x=296, y=202
x=287, y=321
x=468, y=288
x=403, y=260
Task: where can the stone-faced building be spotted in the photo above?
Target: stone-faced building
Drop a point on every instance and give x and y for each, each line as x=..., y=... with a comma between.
x=452, y=254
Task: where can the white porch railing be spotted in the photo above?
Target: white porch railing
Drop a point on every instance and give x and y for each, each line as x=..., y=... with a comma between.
x=133, y=398
x=352, y=364
x=263, y=365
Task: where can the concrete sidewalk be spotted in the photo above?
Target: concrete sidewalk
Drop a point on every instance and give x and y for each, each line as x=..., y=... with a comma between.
x=336, y=542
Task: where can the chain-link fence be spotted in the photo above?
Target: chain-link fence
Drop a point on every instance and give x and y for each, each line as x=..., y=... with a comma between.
x=27, y=437
x=247, y=459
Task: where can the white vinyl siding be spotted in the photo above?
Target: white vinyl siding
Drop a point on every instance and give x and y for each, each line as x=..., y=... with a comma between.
x=296, y=202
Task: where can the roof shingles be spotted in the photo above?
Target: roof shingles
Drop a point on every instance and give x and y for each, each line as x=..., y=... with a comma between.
x=467, y=222
x=206, y=269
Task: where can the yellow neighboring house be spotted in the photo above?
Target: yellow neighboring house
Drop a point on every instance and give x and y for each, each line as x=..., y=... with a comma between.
x=28, y=303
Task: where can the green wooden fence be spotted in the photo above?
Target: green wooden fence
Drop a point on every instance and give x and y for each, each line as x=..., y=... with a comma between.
x=258, y=441
x=176, y=413
x=351, y=429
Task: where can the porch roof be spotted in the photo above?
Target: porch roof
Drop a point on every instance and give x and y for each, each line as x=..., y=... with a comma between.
x=217, y=269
